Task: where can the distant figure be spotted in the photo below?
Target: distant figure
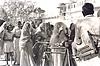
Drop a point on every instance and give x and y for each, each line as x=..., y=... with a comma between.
x=98, y=13
x=72, y=29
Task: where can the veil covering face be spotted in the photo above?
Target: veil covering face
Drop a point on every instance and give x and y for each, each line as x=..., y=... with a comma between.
x=59, y=33
x=25, y=43
x=25, y=35
x=98, y=13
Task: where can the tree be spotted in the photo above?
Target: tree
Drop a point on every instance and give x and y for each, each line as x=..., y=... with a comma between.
x=20, y=10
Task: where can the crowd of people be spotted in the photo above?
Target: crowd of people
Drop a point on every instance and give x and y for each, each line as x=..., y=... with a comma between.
x=26, y=43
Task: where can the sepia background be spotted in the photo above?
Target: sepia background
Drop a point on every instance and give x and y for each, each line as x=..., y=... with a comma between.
x=51, y=10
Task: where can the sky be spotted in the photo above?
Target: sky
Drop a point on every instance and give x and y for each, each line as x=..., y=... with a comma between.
x=49, y=5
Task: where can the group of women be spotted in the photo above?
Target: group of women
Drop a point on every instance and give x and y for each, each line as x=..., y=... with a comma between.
x=26, y=41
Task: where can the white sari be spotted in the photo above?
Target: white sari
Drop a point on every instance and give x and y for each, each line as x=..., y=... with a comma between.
x=2, y=30
x=25, y=44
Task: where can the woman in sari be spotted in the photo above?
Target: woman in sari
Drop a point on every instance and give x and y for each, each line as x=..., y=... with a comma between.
x=25, y=44
x=2, y=30
x=57, y=38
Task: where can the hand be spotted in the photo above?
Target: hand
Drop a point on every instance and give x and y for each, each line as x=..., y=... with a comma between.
x=76, y=58
x=22, y=48
x=67, y=43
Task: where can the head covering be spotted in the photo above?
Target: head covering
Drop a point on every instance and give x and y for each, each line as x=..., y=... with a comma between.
x=2, y=27
x=3, y=16
x=1, y=22
x=88, y=9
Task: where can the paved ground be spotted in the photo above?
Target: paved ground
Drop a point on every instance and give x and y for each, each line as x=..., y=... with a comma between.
x=3, y=62
x=93, y=62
